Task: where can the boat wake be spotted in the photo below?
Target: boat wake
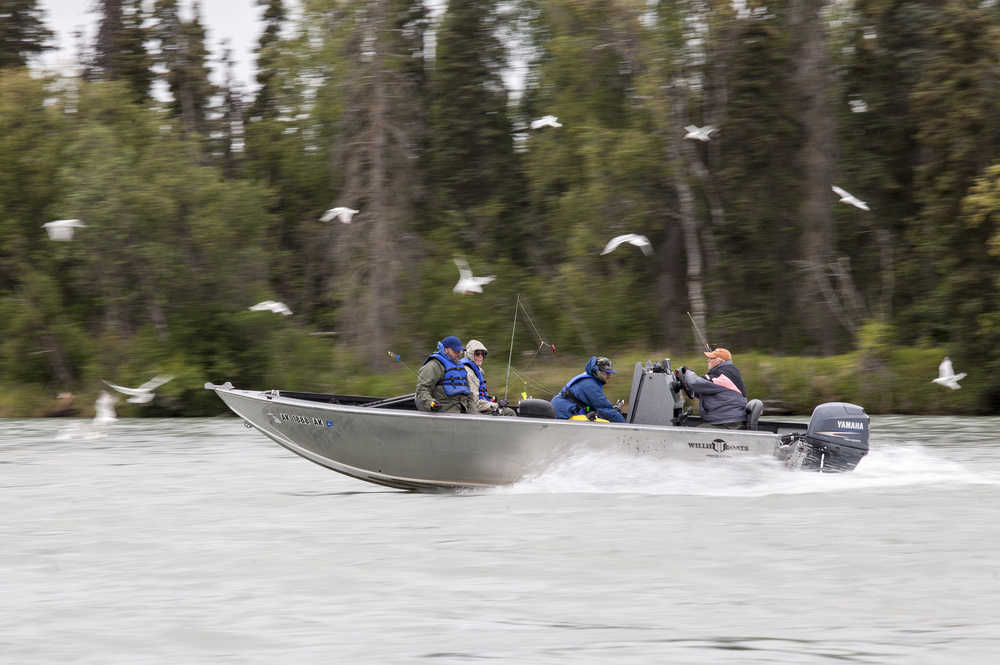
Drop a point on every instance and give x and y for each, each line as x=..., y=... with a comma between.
x=601, y=472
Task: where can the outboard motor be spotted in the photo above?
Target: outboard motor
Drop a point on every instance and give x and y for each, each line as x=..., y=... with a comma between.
x=836, y=439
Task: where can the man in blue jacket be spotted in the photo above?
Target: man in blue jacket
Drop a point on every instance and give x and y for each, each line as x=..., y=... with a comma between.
x=585, y=393
x=721, y=394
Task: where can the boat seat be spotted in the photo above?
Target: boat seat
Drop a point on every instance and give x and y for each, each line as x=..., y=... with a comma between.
x=536, y=408
x=755, y=407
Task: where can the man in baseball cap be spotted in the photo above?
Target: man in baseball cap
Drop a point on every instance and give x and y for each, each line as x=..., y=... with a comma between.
x=442, y=382
x=722, y=396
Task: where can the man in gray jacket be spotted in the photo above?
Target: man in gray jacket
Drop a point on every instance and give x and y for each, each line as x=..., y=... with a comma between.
x=721, y=393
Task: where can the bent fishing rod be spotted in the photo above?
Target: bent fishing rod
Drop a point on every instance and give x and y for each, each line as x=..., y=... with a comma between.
x=699, y=334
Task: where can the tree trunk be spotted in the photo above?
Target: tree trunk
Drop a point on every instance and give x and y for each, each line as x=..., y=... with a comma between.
x=688, y=213
x=813, y=79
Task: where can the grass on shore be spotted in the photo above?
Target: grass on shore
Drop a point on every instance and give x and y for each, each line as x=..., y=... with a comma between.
x=899, y=381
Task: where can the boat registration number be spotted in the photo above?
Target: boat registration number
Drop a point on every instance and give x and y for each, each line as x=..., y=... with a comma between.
x=304, y=420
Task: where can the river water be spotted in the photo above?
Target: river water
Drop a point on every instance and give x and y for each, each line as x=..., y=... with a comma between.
x=200, y=541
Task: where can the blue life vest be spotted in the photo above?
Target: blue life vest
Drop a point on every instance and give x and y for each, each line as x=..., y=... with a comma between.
x=483, y=392
x=455, y=380
x=566, y=393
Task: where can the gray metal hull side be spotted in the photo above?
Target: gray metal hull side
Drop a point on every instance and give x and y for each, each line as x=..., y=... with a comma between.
x=413, y=450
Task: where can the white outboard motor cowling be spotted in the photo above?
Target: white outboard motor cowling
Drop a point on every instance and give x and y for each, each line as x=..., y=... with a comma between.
x=836, y=439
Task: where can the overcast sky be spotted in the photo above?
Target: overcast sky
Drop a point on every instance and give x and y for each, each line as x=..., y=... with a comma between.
x=235, y=20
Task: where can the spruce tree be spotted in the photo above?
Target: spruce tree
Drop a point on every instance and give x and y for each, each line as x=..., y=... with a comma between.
x=23, y=32
x=471, y=153
x=184, y=57
x=120, y=51
x=264, y=104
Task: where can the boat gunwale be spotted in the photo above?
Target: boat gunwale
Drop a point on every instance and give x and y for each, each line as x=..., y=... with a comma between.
x=264, y=396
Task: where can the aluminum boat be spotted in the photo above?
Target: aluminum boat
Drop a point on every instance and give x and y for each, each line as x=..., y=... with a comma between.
x=388, y=442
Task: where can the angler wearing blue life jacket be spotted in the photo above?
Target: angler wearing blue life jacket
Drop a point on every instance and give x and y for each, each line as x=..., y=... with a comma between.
x=585, y=393
x=475, y=356
x=442, y=382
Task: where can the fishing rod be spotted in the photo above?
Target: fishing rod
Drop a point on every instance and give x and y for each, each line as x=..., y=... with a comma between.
x=698, y=333
x=542, y=344
x=510, y=352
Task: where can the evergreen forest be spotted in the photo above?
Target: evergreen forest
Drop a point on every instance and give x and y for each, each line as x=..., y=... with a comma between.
x=200, y=197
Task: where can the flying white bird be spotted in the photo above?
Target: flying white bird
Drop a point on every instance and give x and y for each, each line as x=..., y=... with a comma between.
x=343, y=212
x=271, y=306
x=947, y=376
x=143, y=394
x=700, y=133
x=62, y=229
x=105, y=409
x=642, y=242
x=466, y=282
x=546, y=121
x=847, y=197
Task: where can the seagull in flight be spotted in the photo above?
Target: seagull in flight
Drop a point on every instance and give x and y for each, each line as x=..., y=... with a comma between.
x=105, y=409
x=642, y=242
x=947, y=376
x=466, y=282
x=847, y=197
x=343, y=212
x=62, y=229
x=143, y=394
x=546, y=121
x=271, y=306
x=700, y=133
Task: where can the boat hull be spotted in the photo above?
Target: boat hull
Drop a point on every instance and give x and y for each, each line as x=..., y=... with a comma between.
x=424, y=451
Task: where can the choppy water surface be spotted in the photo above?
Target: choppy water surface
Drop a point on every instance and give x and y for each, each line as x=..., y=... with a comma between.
x=180, y=541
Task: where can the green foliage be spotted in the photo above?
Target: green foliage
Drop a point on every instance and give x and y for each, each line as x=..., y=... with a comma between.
x=438, y=156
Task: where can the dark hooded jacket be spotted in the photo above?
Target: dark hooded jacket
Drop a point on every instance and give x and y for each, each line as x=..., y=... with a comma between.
x=722, y=399
x=583, y=391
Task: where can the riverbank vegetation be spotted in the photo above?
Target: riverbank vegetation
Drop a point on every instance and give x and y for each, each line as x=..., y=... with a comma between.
x=200, y=198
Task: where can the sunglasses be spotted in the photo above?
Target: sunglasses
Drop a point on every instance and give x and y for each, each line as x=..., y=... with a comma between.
x=479, y=353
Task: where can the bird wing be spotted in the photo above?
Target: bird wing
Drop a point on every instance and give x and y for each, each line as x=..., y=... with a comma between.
x=642, y=242
x=155, y=383
x=328, y=215
x=123, y=390
x=842, y=193
x=945, y=369
x=464, y=271
x=958, y=377
x=613, y=243
x=484, y=280
x=262, y=305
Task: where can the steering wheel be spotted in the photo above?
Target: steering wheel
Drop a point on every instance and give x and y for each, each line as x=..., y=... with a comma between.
x=678, y=385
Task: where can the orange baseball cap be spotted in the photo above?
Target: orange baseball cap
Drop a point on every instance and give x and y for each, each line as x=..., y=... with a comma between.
x=720, y=353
